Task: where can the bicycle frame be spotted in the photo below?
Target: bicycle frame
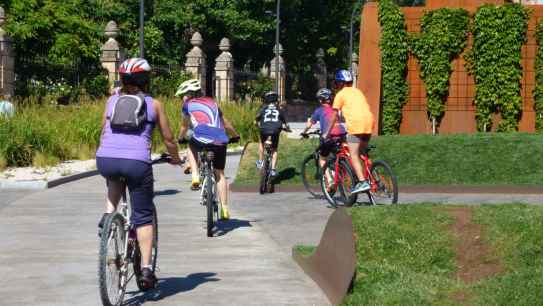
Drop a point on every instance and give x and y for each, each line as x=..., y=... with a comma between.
x=366, y=165
x=207, y=172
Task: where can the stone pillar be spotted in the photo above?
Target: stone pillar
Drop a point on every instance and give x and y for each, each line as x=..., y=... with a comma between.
x=7, y=60
x=319, y=70
x=112, y=56
x=196, y=60
x=224, y=73
x=354, y=68
x=282, y=73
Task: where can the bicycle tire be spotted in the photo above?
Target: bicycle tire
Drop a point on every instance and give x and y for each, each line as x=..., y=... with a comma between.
x=327, y=190
x=154, y=252
x=347, y=173
x=209, y=207
x=265, y=176
x=387, y=183
x=311, y=178
x=114, y=229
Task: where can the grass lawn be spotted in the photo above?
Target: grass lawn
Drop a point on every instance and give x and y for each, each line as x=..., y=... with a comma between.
x=406, y=256
x=471, y=160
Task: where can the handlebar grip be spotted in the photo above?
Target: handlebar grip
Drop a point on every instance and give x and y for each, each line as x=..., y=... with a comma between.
x=234, y=139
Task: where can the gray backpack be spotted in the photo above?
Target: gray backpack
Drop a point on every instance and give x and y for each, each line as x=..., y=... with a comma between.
x=129, y=113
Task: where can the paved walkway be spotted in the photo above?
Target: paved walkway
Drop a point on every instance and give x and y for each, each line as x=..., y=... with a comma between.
x=49, y=245
x=49, y=250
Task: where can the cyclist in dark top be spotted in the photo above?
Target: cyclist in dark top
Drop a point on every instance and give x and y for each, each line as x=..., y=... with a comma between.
x=270, y=120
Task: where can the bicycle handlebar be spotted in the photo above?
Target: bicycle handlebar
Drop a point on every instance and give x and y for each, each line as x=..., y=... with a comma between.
x=165, y=158
x=306, y=135
x=234, y=139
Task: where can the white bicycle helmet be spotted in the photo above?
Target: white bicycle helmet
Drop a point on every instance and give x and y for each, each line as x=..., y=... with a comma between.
x=187, y=86
x=134, y=65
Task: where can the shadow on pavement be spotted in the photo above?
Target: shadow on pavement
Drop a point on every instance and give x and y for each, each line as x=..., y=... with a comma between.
x=166, y=192
x=284, y=175
x=171, y=286
x=224, y=227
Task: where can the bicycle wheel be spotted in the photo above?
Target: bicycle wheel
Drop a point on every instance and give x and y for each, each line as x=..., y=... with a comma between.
x=328, y=187
x=154, y=252
x=209, y=206
x=347, y=180
x=311, y=175
x=111, y=277
x=384, y=189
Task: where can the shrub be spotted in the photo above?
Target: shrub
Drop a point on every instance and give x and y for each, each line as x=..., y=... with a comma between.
x=165, y=84
x=3, y=163
x=96, y=87
x=253, y=89
x=495, y=60
x=443, y=37
x=394, y=54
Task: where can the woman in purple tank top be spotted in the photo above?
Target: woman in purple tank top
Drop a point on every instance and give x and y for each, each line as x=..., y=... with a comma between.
x=128, y=155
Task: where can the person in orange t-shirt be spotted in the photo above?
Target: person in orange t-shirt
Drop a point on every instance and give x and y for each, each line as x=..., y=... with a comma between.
x=359, y=121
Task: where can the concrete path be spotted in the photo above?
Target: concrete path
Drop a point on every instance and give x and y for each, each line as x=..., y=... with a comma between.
x=8, y=196
x=467, y=198
x=49, y=249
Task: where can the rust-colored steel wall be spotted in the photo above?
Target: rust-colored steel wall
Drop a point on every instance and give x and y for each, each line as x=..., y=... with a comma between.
x=460, y=111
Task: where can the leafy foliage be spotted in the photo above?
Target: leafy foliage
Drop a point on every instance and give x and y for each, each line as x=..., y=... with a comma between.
x=64, y=32
x=495, y=60
x=443, y=37
x=538, y=91
x=394, y=54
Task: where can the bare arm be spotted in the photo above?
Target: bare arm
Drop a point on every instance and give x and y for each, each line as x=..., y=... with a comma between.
x=229, y=128
x=166, y=132
x=104, y=118
x=185, y=125
x=308, y=125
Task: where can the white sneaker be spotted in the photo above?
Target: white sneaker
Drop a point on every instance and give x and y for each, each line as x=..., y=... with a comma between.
x=259, y=164
x=361, y=187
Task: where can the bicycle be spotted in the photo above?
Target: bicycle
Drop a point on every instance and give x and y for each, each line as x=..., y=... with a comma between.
x=119, y=248
x=311, y=170
x=208, y=193
x=266, y=179
x=383, y=182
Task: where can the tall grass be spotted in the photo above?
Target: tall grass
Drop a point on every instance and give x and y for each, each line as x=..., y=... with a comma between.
x=44, y=134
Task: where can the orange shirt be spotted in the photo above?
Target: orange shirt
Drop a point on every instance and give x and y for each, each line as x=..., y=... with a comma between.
x=355, y=109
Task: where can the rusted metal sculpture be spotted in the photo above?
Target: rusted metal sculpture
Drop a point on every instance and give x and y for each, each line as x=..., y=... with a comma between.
x=333, y=264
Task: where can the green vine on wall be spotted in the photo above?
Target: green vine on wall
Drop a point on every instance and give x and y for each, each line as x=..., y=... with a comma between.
x=495, y=60
x=538, y=91
x=443, y=37
x=394, y=55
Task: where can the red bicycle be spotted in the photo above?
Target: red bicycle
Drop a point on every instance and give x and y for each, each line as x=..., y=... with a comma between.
x=338, y=178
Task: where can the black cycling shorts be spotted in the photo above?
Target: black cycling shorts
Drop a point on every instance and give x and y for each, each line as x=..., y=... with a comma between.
x=329, y=145
x=274, y=138
x=219, y=160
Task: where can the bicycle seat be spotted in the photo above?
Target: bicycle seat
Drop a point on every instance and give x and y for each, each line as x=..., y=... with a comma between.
x=368, y=149
x=210, y=156
x=268, y=141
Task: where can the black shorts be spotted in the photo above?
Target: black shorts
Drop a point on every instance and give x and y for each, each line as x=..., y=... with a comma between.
x=274, y=138
x=329, y=145
x=219, y=160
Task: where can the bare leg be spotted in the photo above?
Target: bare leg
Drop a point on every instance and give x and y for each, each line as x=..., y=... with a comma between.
x=260, y=151
x=274, y=158
x=191, y=153
x=114, y=192
x=354, y=150
x=322, y=163
x=145, y=240
x=222, y=187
